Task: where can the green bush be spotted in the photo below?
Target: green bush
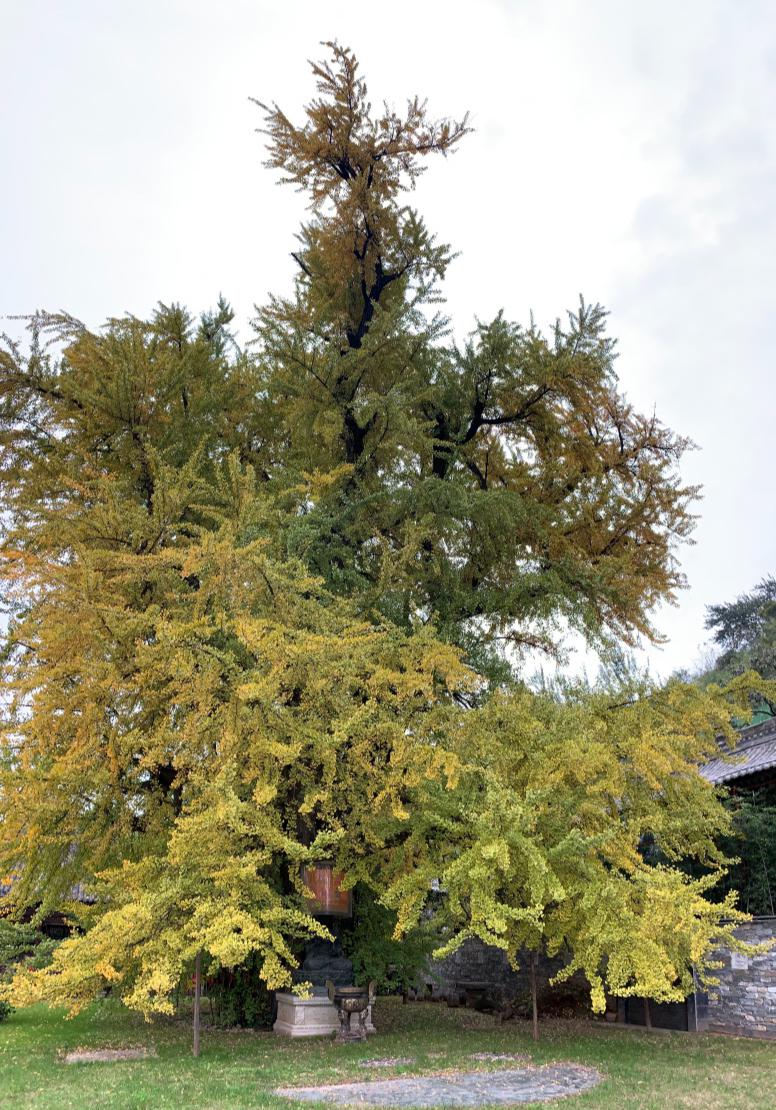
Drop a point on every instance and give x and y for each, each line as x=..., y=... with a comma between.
x=237, y=996
x=752, y=847
x=21, y=943
x=393, y=964
x=754, y=825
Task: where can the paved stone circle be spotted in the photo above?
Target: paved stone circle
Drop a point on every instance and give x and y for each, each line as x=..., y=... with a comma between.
x=387, y=1062
x=513, y=1056
x=472, y=1088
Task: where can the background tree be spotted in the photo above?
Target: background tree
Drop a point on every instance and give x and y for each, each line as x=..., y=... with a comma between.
x=744, y=638
x=752, y=844
x=744, y=632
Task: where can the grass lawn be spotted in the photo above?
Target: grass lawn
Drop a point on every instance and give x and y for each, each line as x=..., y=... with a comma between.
x=240, y=1069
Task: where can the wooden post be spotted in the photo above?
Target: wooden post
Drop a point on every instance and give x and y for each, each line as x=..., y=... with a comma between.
x=197, y=998
x=534, y=1002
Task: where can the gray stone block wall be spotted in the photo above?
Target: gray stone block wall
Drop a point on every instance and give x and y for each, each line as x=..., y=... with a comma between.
x=745, y=1000
x=475, y=962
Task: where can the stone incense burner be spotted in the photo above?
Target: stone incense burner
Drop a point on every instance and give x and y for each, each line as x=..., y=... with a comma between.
x=351, y=1001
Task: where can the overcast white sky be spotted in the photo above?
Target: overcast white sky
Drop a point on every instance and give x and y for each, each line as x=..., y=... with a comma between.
x=623, y=150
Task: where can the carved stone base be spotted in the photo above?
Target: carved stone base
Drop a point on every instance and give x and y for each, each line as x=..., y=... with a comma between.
x=352, y=1026
x=309, y=1017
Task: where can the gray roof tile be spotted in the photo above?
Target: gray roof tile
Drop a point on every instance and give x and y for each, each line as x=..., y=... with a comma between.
x=754, y=752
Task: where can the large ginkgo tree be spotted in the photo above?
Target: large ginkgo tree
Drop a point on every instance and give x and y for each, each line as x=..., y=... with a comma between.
x=266, y=608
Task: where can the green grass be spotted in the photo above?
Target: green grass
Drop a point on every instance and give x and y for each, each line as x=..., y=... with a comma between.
x=239, y=1069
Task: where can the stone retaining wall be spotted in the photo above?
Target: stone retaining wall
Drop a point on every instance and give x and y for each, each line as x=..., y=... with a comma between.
x=745, y=1000
x=475, y=962
x=743, y=1003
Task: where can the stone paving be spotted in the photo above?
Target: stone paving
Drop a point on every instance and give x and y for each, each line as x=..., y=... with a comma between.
x=387, y=1062
x=473, y=1088
x=513, y=1056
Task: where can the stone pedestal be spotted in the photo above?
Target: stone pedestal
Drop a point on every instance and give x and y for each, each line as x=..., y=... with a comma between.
x=305, y=1017
x=309, y=1017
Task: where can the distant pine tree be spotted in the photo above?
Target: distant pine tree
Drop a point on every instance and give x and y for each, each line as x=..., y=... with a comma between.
x=744, y=631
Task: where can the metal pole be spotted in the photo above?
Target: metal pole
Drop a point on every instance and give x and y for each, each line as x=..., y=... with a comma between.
x=534, y=1002
x=197, y=998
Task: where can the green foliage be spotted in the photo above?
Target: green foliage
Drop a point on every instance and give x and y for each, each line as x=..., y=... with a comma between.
x=394, y=964
x=20, y=943
x=745, y=631
x=504, y=485
x=753, y=844
x=239, y=997
x=739, y=625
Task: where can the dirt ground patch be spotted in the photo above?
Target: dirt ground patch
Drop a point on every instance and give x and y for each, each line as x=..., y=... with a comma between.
x=107, y=1055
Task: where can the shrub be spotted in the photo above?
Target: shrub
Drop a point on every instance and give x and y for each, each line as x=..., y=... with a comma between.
x=24, y=943
x=239, y=997
x=393, y=964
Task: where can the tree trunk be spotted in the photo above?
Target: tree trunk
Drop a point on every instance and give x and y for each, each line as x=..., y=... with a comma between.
x=197, y=999
x=647, y=1014
x=534, y=1003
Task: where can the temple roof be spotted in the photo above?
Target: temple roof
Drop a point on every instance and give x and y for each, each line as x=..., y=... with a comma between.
x=754, y=752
